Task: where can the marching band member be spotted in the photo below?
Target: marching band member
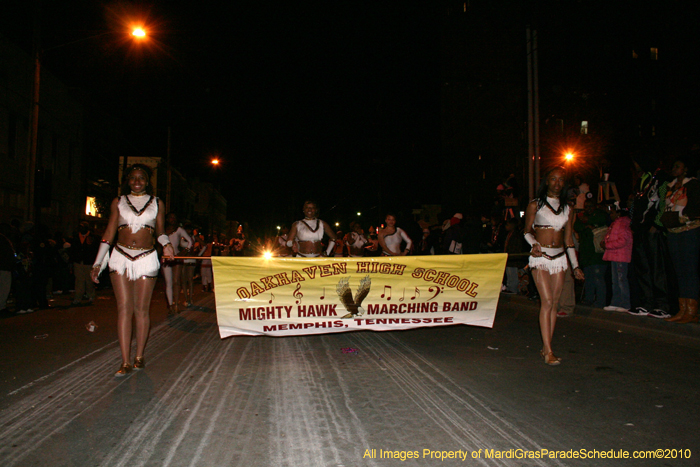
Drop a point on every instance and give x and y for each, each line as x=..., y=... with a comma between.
x=390, y=238
x=548, y=230
x=308, y=233
x=136, y=218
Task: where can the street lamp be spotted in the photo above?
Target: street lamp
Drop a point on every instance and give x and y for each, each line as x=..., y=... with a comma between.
x=33, y=133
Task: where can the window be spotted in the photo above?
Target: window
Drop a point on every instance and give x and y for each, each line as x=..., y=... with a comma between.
x=584, y=127
x=91, y=207
x=654, y=53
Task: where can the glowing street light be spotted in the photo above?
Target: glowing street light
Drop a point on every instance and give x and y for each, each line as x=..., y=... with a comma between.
x=569, y=157
x=359, y=213
x=215, y=161
x=33, y=130
x=138, y=32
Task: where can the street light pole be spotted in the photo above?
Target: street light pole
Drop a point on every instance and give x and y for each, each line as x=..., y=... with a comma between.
x=32, y=210
x=170, y=176
x=29, y=214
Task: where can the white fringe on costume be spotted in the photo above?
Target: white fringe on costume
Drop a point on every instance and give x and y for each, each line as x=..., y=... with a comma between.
x=138, y=221
x=146, y=266
x=553, y=266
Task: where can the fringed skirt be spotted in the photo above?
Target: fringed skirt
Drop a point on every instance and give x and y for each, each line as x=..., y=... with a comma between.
x=143, y=264
x=553, y=260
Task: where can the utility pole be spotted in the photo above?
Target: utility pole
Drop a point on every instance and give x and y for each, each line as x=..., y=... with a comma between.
x=33, y=133
x=168, y=191
x=533, y=113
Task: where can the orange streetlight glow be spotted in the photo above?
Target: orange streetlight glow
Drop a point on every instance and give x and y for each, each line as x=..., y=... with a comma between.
x=138, y=32
x=569, y=157
x=215, y=162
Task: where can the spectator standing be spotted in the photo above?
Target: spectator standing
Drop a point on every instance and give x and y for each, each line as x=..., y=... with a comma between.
x=62, y=276
x=653, y=285
x=496, y=234
x=83, y=251
x=581, y=190
x=618, y=250
x=682, y=219
x=43, y=264
x=514, y=245
x=591, y=260
x=425, y=246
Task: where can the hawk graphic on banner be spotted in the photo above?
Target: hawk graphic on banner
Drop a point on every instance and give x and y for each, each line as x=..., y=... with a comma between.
x=345, y=295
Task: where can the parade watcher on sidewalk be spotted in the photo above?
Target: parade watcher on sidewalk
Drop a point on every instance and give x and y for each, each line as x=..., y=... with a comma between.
x=618, y=250
x=653, y=289
x=587, y=225
x=82, y=252
x=682, y=219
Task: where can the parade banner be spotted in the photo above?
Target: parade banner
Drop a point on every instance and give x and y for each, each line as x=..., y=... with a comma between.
x=296, y=296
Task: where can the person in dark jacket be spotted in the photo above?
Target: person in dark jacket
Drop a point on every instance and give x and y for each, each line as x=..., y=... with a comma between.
x=588, y=221
x=653, y=287
x=514, y=245
x=83, y=251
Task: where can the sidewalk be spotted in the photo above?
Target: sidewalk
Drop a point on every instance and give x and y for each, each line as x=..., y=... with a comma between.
x=654, y=328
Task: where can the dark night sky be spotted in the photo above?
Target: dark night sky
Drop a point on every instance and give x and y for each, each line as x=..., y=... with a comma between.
x=332, y=100
x=338, y=101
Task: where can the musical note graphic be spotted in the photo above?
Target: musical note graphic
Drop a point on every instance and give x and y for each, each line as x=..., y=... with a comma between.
x=403, y=295
x=387, y=294
x=324, y=294
x=433, y=289
x=297, y=294
x=272, y=297
x=416, y=294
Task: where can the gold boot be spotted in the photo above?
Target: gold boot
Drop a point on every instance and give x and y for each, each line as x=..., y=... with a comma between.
x=691, y=314
x=682, y=310
x=139, y=363
x=123, y=370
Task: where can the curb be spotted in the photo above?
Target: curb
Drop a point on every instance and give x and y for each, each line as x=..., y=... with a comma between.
x=685, y=334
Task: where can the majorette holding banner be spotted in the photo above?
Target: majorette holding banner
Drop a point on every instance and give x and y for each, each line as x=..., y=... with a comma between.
x=296, y=296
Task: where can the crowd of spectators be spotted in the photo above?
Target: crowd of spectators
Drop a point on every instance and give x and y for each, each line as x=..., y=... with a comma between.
x=639, y=255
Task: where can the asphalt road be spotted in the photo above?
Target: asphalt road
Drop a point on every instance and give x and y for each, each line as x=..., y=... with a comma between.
x=305, y=401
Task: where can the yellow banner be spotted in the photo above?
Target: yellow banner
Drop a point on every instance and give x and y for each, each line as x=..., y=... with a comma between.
x=296, y=296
